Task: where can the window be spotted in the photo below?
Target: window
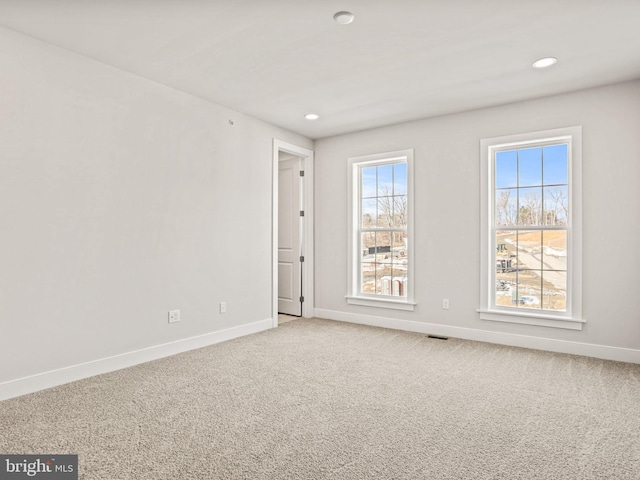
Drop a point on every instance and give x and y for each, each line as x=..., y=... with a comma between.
x=381, y=229
x=531, y=229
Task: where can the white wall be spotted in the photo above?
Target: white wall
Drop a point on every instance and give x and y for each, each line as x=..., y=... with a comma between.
x=447, y=168
x=120, y=199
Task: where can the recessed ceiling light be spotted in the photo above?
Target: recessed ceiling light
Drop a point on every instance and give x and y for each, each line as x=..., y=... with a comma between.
x=544, y=62
x=311, y=116
x=344, y=18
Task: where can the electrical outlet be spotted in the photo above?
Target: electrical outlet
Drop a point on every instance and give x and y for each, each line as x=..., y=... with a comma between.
x=174, y=316
x=223, y=307
x=445, y=304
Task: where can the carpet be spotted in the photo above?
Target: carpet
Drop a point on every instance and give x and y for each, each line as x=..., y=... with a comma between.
x=317, y=399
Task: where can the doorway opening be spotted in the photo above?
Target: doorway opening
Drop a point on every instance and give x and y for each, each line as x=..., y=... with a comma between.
x=292, y=231
x=290, y=234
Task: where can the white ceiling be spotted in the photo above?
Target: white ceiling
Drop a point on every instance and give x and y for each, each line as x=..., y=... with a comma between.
x=399, y=60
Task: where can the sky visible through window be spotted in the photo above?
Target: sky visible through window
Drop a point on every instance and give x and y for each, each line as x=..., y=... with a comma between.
x=384, y=180
x=526, y=168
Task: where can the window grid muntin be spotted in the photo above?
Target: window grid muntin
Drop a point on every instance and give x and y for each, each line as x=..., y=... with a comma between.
x=517, y=227
x=376, y=229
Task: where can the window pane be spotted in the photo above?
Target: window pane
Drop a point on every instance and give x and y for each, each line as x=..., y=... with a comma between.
x=368, y=279
x=529, y=250
x=382, y=283
x=529, y=289
x=556, y=205
x=367, y=262
x=385, y=212
x=400, y=179
x=385, y=180
x=554, y=244
x=384, y=256
x=400, y=270
x=555, y=165
x=400, y=211
x=399, y=281
x=506, y=285
x=369, y=217
x=400, y=262
x=383, y=246
x=554, y=293
x=507, y=169
x=530, y=206
x=368, y=246
x=506, y=252
x=530, y=167
x=399, y=247
x=506, y=207
x=369, y=182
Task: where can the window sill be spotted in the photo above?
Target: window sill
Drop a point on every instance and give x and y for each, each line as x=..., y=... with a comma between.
x=530, y=318
x=381, y=303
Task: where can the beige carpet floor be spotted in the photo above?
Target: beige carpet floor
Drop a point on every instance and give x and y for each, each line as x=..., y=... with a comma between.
x=316, y=399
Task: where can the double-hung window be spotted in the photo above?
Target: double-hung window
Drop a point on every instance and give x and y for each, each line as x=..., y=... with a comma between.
x=531, y=229
x=381, y=230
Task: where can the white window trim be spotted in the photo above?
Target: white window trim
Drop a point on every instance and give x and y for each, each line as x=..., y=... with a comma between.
x=572, y=319
x=354, y=297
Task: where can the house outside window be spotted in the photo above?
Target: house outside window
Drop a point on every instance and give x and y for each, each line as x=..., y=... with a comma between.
x=531, y=229
x=381, y=230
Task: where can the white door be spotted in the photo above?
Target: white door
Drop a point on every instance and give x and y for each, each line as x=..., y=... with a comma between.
x=289, y=237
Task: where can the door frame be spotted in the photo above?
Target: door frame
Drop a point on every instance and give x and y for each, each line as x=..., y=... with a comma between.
x=307, y=240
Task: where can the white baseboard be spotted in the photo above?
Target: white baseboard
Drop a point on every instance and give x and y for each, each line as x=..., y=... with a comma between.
x=33, y=383
x=561, y=346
